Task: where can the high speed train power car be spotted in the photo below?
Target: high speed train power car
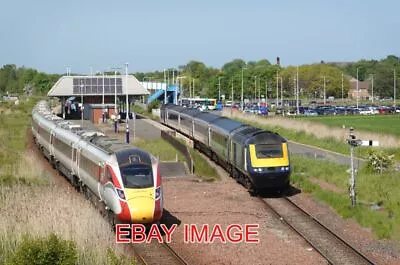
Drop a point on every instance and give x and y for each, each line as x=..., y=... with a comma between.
x=124, y=178
x=256, y=158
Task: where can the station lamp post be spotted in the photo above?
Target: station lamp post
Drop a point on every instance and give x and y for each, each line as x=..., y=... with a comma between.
x=127, y=103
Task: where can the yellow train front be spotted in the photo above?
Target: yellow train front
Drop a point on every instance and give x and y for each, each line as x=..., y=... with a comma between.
x=269, y=165
x=266, y=158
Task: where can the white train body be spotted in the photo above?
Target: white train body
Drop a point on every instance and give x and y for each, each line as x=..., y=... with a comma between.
x=126, y=179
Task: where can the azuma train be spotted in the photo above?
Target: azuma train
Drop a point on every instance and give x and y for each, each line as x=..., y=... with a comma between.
x=124, y=179
x=256, y=158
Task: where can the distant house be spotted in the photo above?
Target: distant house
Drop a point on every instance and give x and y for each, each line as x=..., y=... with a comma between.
x=363, y=87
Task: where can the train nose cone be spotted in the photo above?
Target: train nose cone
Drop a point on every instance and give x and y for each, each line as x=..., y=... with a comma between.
x=142, y=209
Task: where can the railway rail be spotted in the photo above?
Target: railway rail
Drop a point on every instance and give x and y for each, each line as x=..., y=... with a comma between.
x=157, y=253
x=330, y=245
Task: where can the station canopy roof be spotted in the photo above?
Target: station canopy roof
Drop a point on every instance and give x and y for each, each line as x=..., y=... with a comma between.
x=93, y=85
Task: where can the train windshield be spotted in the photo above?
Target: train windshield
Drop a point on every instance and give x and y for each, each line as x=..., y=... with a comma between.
x=136, y=176
x=269, y=150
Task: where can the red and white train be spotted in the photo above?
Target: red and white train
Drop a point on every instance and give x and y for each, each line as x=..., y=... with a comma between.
x=124, y=178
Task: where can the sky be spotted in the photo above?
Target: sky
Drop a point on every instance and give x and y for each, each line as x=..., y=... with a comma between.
x=51, y=35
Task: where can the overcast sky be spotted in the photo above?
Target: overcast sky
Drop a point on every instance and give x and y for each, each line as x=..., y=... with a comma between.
x=51, y=35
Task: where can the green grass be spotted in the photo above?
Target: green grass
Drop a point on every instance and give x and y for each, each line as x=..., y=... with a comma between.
x=160, y=148
x=387, y=124
x=202, y=168
x=371, y=188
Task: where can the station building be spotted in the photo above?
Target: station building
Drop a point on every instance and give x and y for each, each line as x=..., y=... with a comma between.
x=96, y=94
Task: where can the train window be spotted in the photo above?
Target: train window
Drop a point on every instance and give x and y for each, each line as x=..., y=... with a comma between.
x=137, y=176
x=269, y=150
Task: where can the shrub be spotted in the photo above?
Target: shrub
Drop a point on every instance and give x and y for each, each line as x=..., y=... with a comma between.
x=379, y=161
x=153, y=105
x=50, y=250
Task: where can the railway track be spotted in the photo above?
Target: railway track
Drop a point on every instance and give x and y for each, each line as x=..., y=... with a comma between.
x=330, y=245
x=157, y=253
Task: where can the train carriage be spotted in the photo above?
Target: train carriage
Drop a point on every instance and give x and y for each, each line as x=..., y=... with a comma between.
x=258, y=159
x=125, y=179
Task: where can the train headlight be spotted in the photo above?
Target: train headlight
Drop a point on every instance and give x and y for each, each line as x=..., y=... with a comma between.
x=121, y=194
x=283, y=168
x=287, y=168
x=158, y=193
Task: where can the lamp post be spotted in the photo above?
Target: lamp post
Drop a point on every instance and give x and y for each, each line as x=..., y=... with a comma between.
x=358, y=92
x=277, y=89
x=283, y=111
x=394, y=87
x=325, y=92
x=219, y=88
x=82, y=102
x=241, y=96
x=233, y=101
x=180, y=78
x=115, y=103
x=297, y=91
x=127, y=103
x=165, y=90
x=193, y=88
x=266, y=93
x=115, y=100
x=372, y=87
x=343, y=90
x=255, y=88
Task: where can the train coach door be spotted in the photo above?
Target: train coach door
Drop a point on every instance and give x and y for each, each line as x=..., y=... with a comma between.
x=74, y=160
x=77, y=161
x=51, y=143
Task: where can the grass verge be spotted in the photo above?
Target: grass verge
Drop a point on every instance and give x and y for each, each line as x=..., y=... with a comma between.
x=202, y=168
x=160, y=148
x=371, y=189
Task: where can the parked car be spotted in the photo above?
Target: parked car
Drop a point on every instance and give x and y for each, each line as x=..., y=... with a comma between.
x=365, y=111
x=278, y=111
x=310, y=112
x=228, y=103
